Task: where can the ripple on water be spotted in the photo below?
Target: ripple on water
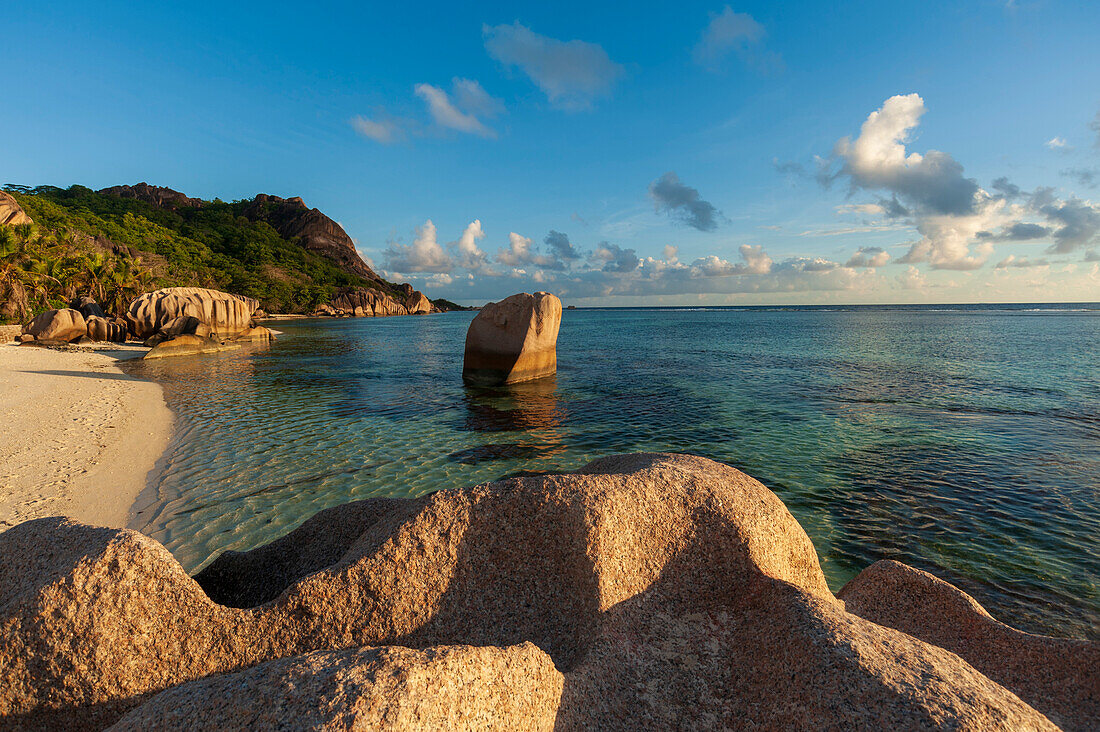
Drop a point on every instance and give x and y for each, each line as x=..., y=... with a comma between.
x=960, y=443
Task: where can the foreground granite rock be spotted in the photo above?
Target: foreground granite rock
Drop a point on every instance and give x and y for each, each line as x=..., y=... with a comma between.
x=224, y=314
x=1034, y=667
x=450, y=687
x=513, y=340
x=668, y=591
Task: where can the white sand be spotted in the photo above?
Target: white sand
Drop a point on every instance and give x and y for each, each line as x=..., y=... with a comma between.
x=77, y=436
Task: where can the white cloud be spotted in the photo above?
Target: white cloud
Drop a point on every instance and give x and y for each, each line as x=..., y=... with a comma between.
x=572, y=74
x=912, y=279
x=948, y=209
x=423, y=255
x=869, y=257
x=860, y=208
x=1058, y=143
x=446, y=114
x=518, y=252
x=379, y=130
x=470, y=255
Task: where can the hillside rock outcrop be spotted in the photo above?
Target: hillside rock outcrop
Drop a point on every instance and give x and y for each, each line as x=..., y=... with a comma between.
x=668, y=590
x=226, y=315
x=156, y=195
x=445, y=688
x=314, y=231
x=513, y=340
x=11, y=213
x=58, y=326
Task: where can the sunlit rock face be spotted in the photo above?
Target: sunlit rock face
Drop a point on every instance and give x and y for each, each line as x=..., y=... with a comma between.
x=226, y=315
x=642, y=591
x=513, y=340
x=57, y=326
x=11, y=213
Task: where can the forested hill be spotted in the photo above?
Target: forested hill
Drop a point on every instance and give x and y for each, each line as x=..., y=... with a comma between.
x=289, y=257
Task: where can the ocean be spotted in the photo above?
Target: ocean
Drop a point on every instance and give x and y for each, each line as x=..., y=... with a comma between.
x=963, y=440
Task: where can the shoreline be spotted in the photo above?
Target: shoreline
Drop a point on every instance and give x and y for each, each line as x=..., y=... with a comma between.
x=80, y=437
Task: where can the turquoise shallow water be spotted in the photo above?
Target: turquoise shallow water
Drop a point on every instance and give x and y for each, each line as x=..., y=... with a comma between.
x=962, y=440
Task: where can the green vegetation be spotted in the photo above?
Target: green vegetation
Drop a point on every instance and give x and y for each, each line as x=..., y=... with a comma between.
x=112, y=248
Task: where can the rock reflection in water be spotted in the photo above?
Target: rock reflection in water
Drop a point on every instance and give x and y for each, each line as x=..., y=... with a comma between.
x=531, y=407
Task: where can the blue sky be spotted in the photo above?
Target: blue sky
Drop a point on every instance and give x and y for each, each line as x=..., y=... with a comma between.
x=657, y=154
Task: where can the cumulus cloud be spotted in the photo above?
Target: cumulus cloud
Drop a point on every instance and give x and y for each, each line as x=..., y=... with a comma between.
x=461, y=112
x=869, y=257
x=947, y=208
x=725, y=33
x=1021, y=231
x=615, y=258
x=1058, y=143
x=912, y=279
x=572, y=74
x=1077, y=222
x=560, y=247
x=521, y=252
x=423, y=255
x=470, y=255
x=683, y=203
x=1006, y=188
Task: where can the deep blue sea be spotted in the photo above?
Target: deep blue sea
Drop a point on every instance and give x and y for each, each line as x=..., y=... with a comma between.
x=964, y=440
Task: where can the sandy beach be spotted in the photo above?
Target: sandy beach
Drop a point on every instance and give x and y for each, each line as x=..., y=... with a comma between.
x=77, y=436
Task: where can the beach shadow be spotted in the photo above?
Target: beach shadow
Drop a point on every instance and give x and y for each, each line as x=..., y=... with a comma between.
x=85, y=374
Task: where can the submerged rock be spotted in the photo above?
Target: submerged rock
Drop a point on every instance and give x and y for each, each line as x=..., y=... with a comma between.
x=668, y=591
x=513, y=340
x=188, y=345
x=226, y=315
x=59, y=326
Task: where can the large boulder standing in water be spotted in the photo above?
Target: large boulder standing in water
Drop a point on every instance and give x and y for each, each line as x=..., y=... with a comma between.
x=226, y=315
x=513, y=340
x=61, y=326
